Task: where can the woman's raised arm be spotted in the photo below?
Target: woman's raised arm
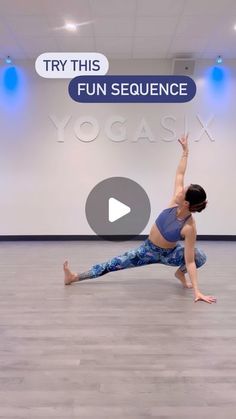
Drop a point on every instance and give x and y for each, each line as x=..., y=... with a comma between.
x=181, y=169
x=180, y=172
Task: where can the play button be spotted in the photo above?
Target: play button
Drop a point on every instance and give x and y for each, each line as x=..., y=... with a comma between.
x=117, y=209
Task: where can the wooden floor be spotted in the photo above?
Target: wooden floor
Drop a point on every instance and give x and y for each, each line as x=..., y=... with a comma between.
x=131, y=344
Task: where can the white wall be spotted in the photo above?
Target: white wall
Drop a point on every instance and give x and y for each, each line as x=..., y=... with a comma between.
x=44, y=183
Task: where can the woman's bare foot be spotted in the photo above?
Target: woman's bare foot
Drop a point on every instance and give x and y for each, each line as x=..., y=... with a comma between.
x=69, y=276
x=180, y=275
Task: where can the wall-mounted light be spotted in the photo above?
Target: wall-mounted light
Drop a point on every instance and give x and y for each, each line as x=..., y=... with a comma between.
x=219, y=59
x=8, y=60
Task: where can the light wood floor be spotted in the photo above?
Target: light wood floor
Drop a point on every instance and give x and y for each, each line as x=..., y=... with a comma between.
x=131, y=344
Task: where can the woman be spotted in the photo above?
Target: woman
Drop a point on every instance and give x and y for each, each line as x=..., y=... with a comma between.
x=174, y=223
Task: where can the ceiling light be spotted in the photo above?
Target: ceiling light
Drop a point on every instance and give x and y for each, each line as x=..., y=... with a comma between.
x=71, y=26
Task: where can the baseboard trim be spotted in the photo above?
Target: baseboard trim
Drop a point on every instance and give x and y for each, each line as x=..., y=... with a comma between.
x=108, y=238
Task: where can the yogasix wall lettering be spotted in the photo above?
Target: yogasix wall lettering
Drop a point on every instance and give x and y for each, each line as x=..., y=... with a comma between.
x=116, y=128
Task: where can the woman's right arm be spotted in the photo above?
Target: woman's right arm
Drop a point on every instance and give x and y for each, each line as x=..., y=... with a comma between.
x=181, y=169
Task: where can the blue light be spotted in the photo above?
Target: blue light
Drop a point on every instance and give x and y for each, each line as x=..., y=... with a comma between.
x=13, y=88
x=217, y=87
x=10, y=79
x=218, y=77
x=217, y=74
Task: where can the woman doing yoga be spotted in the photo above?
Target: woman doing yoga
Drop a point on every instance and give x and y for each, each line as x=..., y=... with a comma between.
x=161, y=246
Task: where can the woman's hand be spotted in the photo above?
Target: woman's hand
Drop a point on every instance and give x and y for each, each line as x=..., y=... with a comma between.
x=184, y=142
x=207, y=298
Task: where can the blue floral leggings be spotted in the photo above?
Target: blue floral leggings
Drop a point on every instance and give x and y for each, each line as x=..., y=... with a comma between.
x=146, y=254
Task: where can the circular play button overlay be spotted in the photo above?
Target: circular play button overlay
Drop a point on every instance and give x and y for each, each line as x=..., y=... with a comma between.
x=117, y=209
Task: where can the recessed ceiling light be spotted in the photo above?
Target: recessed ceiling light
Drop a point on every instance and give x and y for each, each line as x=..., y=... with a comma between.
x=235, y=27
x=71, y=26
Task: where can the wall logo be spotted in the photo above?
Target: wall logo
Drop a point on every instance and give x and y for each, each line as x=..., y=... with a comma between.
x=116, y=128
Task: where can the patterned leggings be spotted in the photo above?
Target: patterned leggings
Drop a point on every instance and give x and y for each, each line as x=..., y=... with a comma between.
x=145, y=254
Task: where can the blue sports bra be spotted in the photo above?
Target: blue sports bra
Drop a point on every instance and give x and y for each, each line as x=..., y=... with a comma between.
x=169, y=225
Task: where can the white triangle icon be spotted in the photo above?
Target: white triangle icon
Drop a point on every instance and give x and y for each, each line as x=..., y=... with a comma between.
x=116, y=209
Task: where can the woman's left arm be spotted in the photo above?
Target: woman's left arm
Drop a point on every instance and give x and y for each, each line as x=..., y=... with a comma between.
x=189, y=255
